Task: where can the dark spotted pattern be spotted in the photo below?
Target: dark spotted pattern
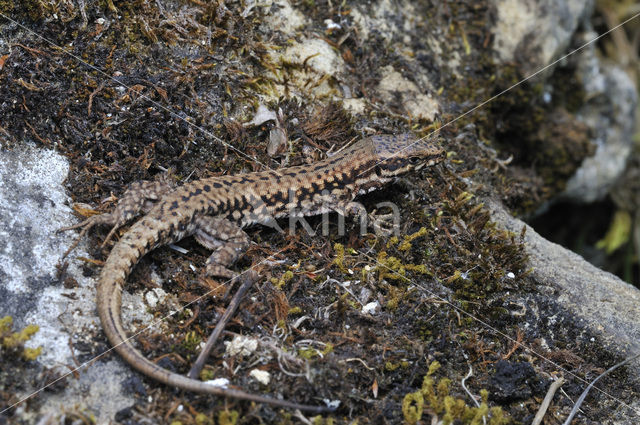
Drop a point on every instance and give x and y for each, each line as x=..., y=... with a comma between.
x=206, y=209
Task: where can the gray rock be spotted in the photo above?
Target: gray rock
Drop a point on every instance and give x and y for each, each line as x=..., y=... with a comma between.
x=534, y=35
x=610, y=114
x=608, y=306
x=597, y=303
x=32, y=207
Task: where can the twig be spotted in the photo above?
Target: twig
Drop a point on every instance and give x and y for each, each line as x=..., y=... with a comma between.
x=247, y=282
x=93, y=93
x=537, y=420
x=585, y=392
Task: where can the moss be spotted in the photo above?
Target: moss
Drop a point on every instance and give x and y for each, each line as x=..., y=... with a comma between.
x=412, y=407
x=228, y=417
x=319, y=420
x=6, y=6
x=327, y=349
x=295, y=310
x=339, y=259
x=391, y=366
x=14, y=341
x=286, y=277
x=202, y=419
x=434, y=397
x=310, y=353
x=207, y=374
x=390, y=267
x=191, y=341
x=406, y=243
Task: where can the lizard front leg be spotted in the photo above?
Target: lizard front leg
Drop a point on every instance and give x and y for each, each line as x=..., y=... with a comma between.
x=138, y=198
x=227, y=240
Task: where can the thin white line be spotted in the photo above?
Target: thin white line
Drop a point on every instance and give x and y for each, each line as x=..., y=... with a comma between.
x=488, y=326
x=255, y=160
x=142, y=95
x=504, y=91
x=135, y=334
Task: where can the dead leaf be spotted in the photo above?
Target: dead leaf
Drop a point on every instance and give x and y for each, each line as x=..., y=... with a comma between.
x=3, y=59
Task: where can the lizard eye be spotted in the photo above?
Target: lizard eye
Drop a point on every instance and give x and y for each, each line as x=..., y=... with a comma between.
x=415, y=160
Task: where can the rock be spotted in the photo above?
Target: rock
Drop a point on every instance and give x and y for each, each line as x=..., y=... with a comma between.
x=535, y=33
x=601, y=301
x=32, y=207
x=610, y=114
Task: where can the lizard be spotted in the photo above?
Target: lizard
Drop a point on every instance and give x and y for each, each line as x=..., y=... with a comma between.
x=215, y=210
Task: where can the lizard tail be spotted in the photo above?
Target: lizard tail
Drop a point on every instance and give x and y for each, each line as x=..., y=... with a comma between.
x=119, y=264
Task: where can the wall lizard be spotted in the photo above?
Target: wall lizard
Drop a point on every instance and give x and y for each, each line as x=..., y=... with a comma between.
x=214, y=210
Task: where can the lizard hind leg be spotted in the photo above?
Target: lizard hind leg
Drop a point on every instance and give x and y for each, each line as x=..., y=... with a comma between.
x=227, y=240
x=140, y=197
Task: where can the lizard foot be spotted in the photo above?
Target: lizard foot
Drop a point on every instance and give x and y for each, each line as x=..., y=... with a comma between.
x=227, y=240
x=140, y=197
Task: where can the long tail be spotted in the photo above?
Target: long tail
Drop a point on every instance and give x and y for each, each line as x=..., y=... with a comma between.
x=122, y=258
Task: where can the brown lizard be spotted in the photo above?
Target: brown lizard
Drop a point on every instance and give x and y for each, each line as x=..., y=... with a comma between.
x=214, y=210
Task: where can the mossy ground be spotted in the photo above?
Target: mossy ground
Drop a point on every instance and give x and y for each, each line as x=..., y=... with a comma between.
x=205, y=64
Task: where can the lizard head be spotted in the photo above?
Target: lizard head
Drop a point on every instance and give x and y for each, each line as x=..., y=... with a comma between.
x=399, y=154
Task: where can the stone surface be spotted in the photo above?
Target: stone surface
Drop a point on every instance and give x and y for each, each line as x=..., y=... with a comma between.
x=606, y=304
x=33, y=205
x=536, y=32
x=610, y=114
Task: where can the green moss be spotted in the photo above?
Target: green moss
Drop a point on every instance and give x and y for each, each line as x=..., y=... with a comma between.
x=191, y=341
x=14, y=341
x=228, y=417
x=286, y=277
x=406, y=243
x=391, y=366
x=412, y=407
x=6, y=6
x=434, y=397
x=206, y=375
x=339, y=260
x=202, y=419
x=319, y=420
x=310, y=353
x=295, y=310
x=327, y=349
x=393, y=268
